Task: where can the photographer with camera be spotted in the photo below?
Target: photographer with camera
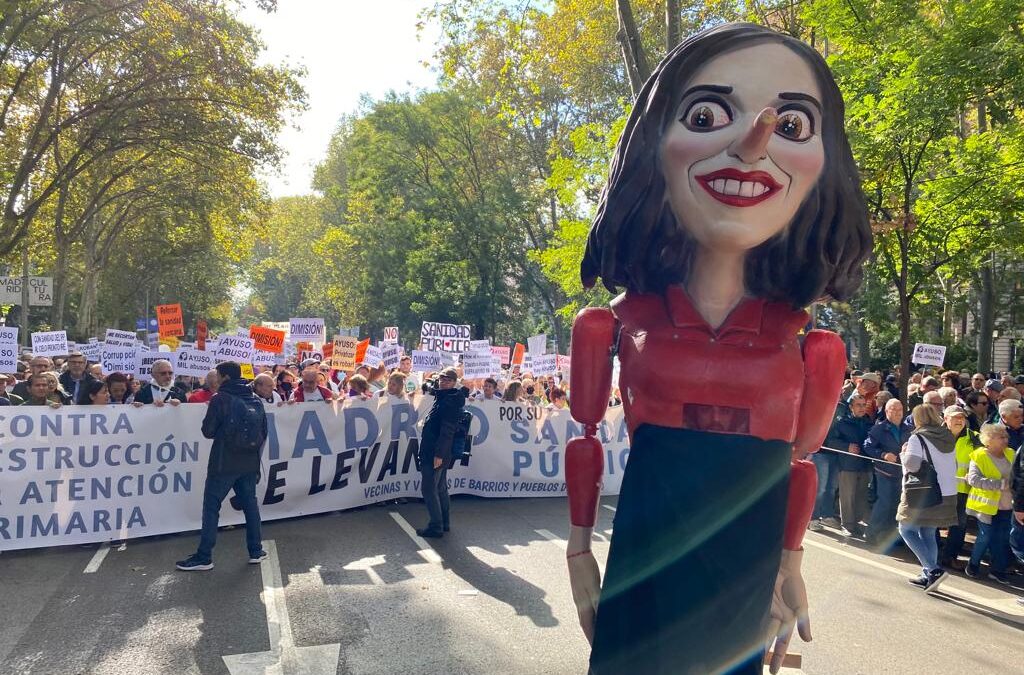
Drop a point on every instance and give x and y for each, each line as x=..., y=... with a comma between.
x=441, y=429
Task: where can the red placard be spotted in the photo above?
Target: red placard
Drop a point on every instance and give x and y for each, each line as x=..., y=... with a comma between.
x=202, y=332
x=169, y=321
x=267, y=339
x=361, y=350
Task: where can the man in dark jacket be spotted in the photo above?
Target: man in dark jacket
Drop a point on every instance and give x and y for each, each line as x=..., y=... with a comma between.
x=76, y=378
x=237, y=423
x=884, y=442
x=161, y=389
x=439, y=429
x=848, y=432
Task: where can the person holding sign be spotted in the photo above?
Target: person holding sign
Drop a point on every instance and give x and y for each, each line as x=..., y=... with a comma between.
x=162, y=389
x=732, y=204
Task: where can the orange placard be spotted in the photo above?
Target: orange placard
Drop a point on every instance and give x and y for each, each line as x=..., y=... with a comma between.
x=328, y=351
x=202, y=332
x=267, y=339
x=304, y=347
x=169, y=322
x=361, y=350
x=517, y=355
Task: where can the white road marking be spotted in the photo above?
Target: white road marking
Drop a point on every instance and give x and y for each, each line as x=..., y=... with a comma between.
x=425, y=550
x=609, y=507
x=97, y=559
x=284, y=658
x=366, y=565
x=551, y=536
x=1007, y=607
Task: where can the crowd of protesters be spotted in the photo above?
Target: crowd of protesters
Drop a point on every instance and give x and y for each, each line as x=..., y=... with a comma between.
x=962, y=437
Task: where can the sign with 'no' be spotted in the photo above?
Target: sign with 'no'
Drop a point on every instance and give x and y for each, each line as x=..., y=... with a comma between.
x=391, y=334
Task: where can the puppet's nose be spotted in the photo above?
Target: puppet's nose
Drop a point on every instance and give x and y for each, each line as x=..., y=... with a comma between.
x=753, y=145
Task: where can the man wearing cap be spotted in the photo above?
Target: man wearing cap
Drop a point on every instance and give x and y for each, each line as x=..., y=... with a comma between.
x=1011, y=414
x=439, y=429
x=927, y=384
x=967, y=441
x=993, y=388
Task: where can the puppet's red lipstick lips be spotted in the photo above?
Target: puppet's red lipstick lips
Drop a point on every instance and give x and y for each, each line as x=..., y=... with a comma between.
x=739, y=188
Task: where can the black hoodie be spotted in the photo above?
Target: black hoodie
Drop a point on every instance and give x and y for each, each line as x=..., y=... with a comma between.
x=226, y=460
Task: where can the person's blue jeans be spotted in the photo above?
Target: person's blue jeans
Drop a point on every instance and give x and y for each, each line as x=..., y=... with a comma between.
x=883, y=512
x=434, y=488
x=1017, y=539
x=827, y=464
x=217, y=488
x=993, y=537
x=923, y=543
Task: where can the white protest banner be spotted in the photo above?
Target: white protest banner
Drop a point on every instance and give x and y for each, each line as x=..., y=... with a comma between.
x=50, y=343
x=425, y=362
x=504, y=354
x=136, y=472
x=9, y=335
x=186, y=345
x=545, y=364
x=391, y=334
x=392, y=355
x=193, y=362
x=563, y=363
x=307, y=330
x=282, y=326
x=234, y=348
x=92, y=351
x=262, y=358
x=120, y=338
x=476, y=365
x=527, y=364
x=444, y=337
x=537, y=345
x=449, y=359
x=928, y=355
x=119, y=359
x=479, y=346
x=374, y=356
x=495, y=366
x=9, y=357
x=145, y=360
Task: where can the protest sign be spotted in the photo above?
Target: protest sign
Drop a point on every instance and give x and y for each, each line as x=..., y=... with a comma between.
x=260, y=358
x=527, y=365
x=444, y=337
x=503, y=354
x=282, y=326
x=391, y=334
x=314, y=354
x=193, y=362
x=425, y=362
x=373, y=356
x=129, y=472
x=153, y=340
x=247, y=371
x=303, y=347
x=92, y=351
x=267, y=339
x=476, y=365
x=50, y=343
x=169, y=320
x=186, y=345
x=928, y=355
x=449, y=359
x=9, y=357
x=328, y=351
x=120, y=338
x=119, y=359
x=479, y=346
x=563, y=363
x=9, y=335
x=345, y=353
x=144, y=361
x=518, y=354
x=40, y=291
x=538, y=344
x=311, y=330
x=202, y=333
x=392, y=355
x=234, y=348
x=169, y=340
x=361, y=350
x=544, y=364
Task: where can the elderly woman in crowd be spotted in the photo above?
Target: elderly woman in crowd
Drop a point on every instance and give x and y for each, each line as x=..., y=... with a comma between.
x=990, y=500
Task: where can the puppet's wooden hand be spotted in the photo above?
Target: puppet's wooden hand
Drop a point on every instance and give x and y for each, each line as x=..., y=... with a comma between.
x=789, y=607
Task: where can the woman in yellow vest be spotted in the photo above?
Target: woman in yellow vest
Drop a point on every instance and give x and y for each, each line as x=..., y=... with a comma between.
x=967, y=441
x=990, y=501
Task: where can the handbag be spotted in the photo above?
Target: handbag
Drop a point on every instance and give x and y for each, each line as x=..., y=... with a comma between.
x=922, y=486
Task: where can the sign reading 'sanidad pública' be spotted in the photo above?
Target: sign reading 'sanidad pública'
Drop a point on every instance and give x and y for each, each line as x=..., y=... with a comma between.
x=444, y=337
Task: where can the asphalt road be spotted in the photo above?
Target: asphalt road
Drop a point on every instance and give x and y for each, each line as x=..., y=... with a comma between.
x=354, y=592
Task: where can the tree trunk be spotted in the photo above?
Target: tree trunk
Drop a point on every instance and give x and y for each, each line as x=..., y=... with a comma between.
x=671, y=24
x=863, y=346
x=87, y=309
x=986, y=322
x=905, y=348
x=633, y=56
x=60, y=280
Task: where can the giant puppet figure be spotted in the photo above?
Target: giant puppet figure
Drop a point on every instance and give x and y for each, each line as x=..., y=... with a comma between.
x=732, y=204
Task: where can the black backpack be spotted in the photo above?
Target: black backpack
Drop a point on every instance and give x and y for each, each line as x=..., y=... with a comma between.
x=244, y=428
x=460, y=447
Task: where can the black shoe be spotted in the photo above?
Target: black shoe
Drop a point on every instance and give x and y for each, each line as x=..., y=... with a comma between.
x=935, y=578
x=446, y=528
x=194, y=564
x=999, y=578
x=258, y=558
x=430, y=534
x=972, y=572
x=921, y=582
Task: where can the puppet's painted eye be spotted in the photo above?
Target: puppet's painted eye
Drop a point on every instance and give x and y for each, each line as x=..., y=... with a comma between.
x=706, y=116
x=795, y=125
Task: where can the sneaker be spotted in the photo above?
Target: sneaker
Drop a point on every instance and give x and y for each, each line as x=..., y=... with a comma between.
x=972, y=572
x=430, y=534
x=832, y=522
x=814, y=526
x=935, y=578
x=920, y=582
x=999, y=578
x=194, y=564
x=258, y=558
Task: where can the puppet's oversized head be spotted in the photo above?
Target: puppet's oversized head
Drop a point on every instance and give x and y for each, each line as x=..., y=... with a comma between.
x=735, y=143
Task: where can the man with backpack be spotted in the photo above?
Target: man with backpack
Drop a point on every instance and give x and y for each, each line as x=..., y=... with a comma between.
x=444, y=435
x=237, y=423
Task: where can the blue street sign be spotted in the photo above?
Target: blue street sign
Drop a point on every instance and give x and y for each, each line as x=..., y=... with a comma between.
x=140, y=324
